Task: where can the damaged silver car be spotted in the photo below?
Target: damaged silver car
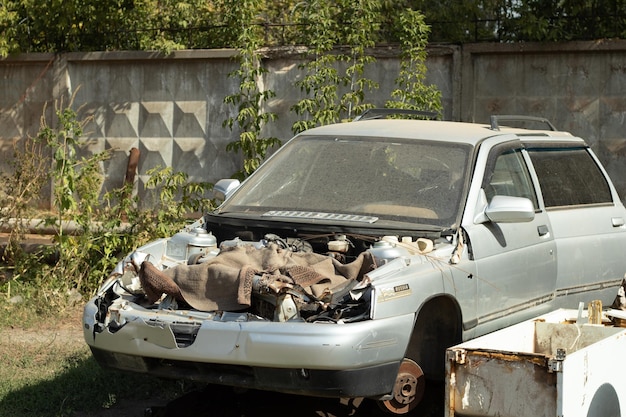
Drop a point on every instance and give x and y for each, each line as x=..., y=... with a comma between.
x=351, y=259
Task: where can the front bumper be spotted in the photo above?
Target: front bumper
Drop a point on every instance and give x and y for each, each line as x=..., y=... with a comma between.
x=371, y=381
x=358, y=359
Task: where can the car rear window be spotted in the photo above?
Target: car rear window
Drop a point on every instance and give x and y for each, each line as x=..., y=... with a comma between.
x=569, y=177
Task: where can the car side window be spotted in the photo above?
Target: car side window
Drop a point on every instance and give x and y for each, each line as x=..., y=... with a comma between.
x=569, y=177
x=507, y=174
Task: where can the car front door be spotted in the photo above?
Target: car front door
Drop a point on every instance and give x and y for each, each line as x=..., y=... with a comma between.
x=515, y=262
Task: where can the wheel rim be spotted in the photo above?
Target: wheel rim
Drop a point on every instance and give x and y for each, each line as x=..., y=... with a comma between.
x=408, y=390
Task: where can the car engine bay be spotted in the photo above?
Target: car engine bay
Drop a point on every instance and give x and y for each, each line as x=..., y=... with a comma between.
x=309, y=278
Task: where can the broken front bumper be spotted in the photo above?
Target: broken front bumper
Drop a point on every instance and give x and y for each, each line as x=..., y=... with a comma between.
x=358, y=359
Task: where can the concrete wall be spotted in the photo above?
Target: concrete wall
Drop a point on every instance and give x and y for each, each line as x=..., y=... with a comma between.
x=172, y=109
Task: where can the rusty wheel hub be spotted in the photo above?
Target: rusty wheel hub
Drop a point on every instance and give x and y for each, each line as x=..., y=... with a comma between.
x=408, y=390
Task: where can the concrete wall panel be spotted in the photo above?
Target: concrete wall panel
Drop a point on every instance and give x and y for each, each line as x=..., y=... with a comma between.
x=172, y=108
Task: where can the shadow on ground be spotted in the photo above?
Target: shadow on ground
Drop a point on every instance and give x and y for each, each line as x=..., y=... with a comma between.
x=83, y=389
x=224, y=401
x=86, y=390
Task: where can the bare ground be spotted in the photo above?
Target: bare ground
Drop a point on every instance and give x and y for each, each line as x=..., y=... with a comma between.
x=66, y=337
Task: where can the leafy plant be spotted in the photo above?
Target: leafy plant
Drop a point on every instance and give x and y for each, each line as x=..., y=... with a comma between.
x=363, y=23
x=249, y=100
x=357, y=25
x=412, y=92
x=321, y=80
x=9, y=20
x=172, y=199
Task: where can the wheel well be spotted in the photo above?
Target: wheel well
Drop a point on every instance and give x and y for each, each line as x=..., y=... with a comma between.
x=437, y=327
x=605, y=402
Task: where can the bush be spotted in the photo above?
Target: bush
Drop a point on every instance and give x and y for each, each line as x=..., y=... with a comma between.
x=80, y=256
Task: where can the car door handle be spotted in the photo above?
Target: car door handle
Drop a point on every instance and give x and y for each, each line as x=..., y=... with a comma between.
x=617, y=221
x=543, y=230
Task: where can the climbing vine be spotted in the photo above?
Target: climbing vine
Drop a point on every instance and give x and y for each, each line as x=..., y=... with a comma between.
x=363, y=23
x=321, y=78
x=412, y=93
x=250, y=99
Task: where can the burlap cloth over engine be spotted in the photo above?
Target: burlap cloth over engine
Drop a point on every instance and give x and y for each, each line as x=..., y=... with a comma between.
x=225, y=282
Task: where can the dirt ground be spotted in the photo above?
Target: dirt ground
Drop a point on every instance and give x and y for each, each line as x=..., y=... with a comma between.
x=68, y=333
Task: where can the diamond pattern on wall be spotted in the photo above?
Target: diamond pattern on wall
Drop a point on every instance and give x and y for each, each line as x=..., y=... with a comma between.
x=188, y=155
x=122, y=88
x=189, y=119
x=155, y=152
x=156, y=119
x=173, y=109
x=122, y=119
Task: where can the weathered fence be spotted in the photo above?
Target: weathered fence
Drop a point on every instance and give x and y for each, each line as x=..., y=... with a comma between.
x=171, y=107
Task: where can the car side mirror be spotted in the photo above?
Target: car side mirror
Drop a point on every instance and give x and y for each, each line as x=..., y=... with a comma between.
x=224, y=188
x=507, y=209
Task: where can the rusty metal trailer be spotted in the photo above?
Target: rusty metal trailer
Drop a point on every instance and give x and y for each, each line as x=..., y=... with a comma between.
x=553, y=365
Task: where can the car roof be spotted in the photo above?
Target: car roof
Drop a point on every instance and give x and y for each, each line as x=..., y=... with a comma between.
x=459, y=132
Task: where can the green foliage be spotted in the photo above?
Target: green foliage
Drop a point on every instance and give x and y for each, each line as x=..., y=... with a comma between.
x=334, y=91
x=76, y=183
x=88, y=25
x=321, y=80
x=412, y=93
x=363, y=23
x=454, y=21
x=526, y=20
x=250, y=98
x=89, y=233
x=9, y=21
x=166, y=25
x=536, y=20
x=172, y=199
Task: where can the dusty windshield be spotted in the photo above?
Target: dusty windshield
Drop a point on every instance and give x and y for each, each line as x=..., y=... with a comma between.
x=385, y=179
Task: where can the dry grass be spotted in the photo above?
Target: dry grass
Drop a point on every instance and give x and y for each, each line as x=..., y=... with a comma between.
x=47, y=371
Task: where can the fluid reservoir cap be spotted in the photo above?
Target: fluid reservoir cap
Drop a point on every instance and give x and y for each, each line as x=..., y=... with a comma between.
x=387, y=250
x=200, y=237
x=338, y=246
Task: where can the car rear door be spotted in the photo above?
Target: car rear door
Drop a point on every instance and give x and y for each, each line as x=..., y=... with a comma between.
x=587, y=218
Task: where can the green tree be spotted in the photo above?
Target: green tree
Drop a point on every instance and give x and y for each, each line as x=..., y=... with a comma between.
x=536, y=20
x=9, y=22
x=167, y=25
x=70, y=25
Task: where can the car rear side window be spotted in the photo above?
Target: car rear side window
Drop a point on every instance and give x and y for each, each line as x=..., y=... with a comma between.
x=569, y=177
